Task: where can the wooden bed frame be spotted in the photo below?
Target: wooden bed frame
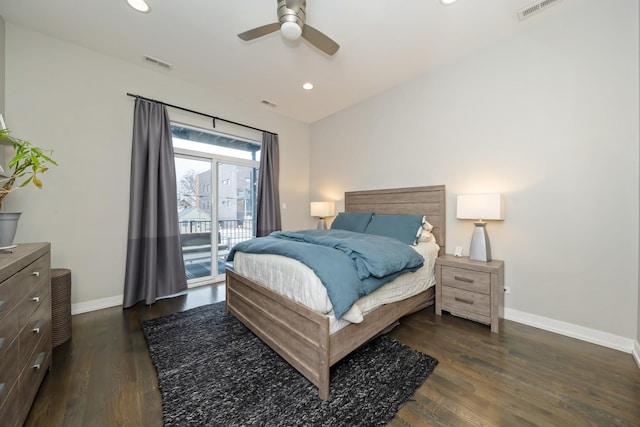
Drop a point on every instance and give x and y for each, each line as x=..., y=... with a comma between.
x=300, y=335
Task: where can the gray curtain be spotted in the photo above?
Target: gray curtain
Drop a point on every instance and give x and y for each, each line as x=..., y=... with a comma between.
x=154, y=267
x=268, y=203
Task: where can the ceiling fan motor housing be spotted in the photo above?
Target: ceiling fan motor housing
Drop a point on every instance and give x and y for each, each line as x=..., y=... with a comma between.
x=290, y=14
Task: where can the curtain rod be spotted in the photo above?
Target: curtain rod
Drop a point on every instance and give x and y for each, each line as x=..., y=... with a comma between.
x=199, y=113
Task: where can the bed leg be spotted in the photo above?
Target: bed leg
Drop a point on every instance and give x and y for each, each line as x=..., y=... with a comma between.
x=323, y=391
x=325, y=370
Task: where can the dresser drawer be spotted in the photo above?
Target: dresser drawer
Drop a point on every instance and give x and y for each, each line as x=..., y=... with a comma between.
x=470, y=280
x=10, y=295
x=466, y=303
x=36, y=329
x=34, y=371
x=36, y=278
x=8, y=371
x=9, y=328
x=10, y=409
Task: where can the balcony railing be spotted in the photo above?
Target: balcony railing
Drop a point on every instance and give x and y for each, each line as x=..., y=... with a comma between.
x=195, y=238
x=229, y=230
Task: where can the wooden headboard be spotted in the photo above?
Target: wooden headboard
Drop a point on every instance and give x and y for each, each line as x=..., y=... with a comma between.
x=428, y=201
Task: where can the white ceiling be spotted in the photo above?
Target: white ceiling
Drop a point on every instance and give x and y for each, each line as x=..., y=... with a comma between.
x=382, y=42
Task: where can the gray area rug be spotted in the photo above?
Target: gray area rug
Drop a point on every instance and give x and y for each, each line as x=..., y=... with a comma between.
x=213, y=371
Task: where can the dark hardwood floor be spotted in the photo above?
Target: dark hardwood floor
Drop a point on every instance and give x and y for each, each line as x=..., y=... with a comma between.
x=523, y=376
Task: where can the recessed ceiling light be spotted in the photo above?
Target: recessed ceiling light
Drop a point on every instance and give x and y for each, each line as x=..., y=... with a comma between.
x=447, y=2
x=139, y=5
x=307, y=86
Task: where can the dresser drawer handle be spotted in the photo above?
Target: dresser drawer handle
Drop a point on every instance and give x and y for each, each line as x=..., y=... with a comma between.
x=1, y=304
x=35, y=299
x=1, y=388
x=2, y=342
x=37, y=328
x=463, y=279
x=36, y=274
x=464, y=300
x=39, y=361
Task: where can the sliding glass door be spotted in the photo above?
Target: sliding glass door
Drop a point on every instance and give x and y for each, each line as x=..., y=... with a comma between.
x=236, y=204
x=216, y=191
x=195, y=216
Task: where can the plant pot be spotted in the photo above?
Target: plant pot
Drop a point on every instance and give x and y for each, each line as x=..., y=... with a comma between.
x=8, y=227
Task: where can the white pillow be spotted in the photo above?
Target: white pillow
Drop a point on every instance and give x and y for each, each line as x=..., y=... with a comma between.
x=424, y=232
x=426, y=236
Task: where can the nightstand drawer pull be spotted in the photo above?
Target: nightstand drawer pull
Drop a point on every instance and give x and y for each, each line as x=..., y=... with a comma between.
x=36, y=274
x=463, y=279
x=464, y=300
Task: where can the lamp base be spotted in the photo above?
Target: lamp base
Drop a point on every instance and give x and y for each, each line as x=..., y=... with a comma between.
x=480, y=249
x=322, y=225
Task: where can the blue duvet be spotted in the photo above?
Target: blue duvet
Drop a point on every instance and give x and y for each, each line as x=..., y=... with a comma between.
x=349, y=265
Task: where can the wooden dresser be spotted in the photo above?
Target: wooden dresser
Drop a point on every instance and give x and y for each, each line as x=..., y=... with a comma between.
x=25, y=328
x=470, y=289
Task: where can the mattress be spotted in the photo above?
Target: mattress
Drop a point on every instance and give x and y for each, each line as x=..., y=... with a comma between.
x=298, y=282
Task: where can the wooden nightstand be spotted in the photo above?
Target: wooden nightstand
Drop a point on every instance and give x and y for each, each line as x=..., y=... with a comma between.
x=470, y=289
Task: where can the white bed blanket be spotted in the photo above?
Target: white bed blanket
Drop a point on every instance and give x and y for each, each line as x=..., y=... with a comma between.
x=295, y=280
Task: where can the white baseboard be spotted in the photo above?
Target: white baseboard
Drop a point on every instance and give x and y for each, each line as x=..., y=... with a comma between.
x=594, y=336
x=636, y=353
x=96, y=304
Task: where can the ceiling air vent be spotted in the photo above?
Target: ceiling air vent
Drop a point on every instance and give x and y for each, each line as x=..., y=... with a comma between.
x=526, y=12
x=158, y=62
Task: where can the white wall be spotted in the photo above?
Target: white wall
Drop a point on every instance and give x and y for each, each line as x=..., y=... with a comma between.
x=73, y=100
x=550, y=119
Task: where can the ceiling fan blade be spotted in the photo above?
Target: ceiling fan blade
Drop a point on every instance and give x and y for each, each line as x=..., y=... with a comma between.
x=319, y=40
x=259, y=31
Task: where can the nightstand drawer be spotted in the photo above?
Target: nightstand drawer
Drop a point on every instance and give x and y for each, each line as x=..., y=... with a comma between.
x=459, y=301
x=470, y=280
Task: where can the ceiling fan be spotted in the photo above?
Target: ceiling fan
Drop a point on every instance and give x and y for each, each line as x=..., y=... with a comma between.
x=291, y=23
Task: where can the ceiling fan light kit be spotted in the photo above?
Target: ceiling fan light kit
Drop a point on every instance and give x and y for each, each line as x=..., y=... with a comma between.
x=139, y=5
x=290, y=30
x=292, y=25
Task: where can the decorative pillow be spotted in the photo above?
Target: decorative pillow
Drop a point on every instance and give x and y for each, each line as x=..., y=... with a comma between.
x=352, y=221
x=424, y=233
x=403, y=227
x=426, y=236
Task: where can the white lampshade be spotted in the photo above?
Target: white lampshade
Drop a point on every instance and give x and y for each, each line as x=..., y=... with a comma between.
x=480, y=206
x=323, y=209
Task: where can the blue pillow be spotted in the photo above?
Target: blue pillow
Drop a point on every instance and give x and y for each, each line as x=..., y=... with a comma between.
x=352, y=221
x=403, y=227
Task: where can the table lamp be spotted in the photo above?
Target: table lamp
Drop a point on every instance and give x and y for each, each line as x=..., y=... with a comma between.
x=480, y=207
x=323, y=210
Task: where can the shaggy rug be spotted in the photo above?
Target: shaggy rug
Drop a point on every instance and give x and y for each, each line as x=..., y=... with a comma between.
x=212, y=370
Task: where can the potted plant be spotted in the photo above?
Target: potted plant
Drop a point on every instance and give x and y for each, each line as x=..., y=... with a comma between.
x=24, y=168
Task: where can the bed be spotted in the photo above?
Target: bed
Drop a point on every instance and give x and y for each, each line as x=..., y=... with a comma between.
x=302, y=336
